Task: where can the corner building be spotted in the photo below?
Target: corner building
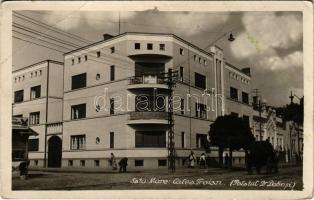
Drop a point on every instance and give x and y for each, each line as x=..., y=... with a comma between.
x=104, y=110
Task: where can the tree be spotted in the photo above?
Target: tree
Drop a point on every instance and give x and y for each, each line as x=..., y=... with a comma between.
x=231, y=132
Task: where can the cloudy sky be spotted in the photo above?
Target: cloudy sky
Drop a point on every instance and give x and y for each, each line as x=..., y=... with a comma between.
x=268, y=42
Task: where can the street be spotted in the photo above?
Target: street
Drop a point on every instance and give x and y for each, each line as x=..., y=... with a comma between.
x=212, y=178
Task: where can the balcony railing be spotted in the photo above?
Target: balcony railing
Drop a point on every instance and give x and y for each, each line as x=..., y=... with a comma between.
x=147, y=79
x=148, y=115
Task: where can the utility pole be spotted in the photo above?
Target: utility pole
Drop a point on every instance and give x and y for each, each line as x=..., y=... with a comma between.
x=171, y=81
x=259, y=107
x=119, y=23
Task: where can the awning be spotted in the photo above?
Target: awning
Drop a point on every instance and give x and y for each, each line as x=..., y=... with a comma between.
x=24, y=131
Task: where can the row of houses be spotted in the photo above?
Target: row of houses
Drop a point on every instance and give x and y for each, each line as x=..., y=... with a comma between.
x=112, y=97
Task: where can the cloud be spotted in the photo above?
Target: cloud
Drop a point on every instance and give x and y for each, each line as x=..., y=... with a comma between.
x=106, y=19
x=267, y=32
x=292, y=60
x=192, y=23
x=67, y=20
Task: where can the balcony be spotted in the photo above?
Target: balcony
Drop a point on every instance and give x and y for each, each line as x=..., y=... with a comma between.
x=147, y=81
x=148, y=118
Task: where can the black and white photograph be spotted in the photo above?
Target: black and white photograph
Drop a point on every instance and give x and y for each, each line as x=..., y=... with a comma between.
x=159, y=99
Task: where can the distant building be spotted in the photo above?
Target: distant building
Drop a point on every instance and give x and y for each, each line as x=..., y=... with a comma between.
x=272, y=127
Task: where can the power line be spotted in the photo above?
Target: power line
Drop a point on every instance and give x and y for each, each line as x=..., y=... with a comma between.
x=36, y=32
x=36, y=44
x=40, y=39
x=55, y=29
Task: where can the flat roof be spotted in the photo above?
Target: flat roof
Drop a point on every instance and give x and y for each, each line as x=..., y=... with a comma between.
x=38, y=63
x=143, y=33
x=239, y=70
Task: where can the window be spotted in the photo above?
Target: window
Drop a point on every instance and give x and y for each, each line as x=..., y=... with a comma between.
x=200, y=60
x=85, y=57
x=111, y=106
x=98, y=54
x=139, y=163
x=246, y=119
x=182, y=106
x=79, y=59
x=72, y=64
x=70, y=163
x=181, y=74
x=181, y=51
x=18, y=155
x=40, y=72
x=78, y=81
x=150, y=139
x=34, y=118
x=205, y=62
x=200, y=110
x=137, y=46
x=82, y=163
x=182, y=139
x=78, y=111
x=161, y=47
x=233, y=93
x=96, y=163
x=35, y=92
x=195, y=57
x=36, y=162
x=149, y=46
x=78, y=142
x=112, y=73
x=200, y=80
x=112, y=50
x=201, y=140
x=162, y=163
x=33, y=144
x=111, y=139
x=245, y=97
x=18, y=96
x=97, y=76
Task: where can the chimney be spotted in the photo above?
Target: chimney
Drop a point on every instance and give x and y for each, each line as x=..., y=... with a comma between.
x=107, y=36
x=246, y=71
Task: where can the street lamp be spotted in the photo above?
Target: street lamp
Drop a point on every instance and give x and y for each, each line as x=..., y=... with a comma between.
x=231, y=37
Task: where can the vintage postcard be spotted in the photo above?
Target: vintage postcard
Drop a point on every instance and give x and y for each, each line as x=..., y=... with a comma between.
x=157, y=100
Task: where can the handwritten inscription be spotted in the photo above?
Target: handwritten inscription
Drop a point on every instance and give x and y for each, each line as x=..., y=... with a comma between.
x=236, y=183
x=263, y=183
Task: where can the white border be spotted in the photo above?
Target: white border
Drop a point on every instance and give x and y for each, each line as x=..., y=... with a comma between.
x=6, y=85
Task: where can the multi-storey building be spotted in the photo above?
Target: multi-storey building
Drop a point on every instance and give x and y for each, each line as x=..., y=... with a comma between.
x=110, y=103
x=115, y=100
x=37, y=95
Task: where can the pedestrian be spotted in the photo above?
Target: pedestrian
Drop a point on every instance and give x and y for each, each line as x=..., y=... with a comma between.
x=113, y=162
x=23, y=167
x=192, y=160
x=227, y=160
x=203, y=161
x=123, y=163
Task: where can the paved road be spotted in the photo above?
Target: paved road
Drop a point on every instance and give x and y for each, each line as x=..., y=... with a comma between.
x=213, y=178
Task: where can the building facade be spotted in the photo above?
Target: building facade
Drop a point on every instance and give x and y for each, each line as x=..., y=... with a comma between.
x=37, y=95
x=115, y=100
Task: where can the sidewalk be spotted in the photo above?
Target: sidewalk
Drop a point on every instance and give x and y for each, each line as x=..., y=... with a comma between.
x=160, y=170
